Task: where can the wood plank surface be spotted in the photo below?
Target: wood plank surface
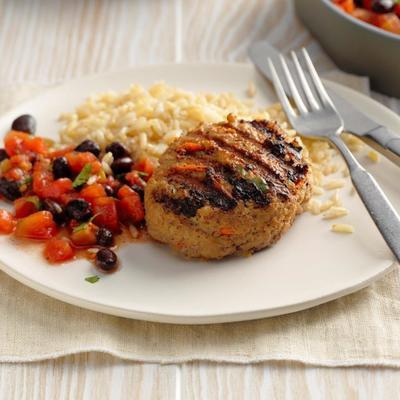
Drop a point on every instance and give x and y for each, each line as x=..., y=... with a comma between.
x=49, y=41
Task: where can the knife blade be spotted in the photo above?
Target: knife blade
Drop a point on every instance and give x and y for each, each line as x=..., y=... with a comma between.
x=355, y=121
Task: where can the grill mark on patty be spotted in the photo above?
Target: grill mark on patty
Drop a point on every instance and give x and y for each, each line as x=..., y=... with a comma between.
x=220, y=185
x=269, y=172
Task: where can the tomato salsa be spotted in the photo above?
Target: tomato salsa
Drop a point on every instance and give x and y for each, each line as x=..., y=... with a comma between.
x=70, y=198
x=384, y=14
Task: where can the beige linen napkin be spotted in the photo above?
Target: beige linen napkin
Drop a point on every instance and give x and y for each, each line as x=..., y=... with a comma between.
x=359, y=329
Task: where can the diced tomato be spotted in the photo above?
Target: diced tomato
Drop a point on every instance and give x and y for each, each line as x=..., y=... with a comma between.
x=389, y=22
x=92, y=192
x=84, y=235
x=21, y=161
x=61, y=152
x=367, y=4
x=364, y=15
x=7, y=222
x=397, y=9
x=54, y=190
x=146, y=166
x=37, y=226
x=14, y=174
x=105, y=209
x=77, y=161
x=37, y=145
x=125, y=191
x=25, y=206
x=346, y=5
x=22, y=143
x=134, y=179
x=131, y=209
x=44, y=184
x=58, y=250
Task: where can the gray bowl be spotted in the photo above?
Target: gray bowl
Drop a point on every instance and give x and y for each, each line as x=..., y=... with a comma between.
x=354, y=45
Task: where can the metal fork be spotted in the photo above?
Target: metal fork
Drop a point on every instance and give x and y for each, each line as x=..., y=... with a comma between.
x=317, y=116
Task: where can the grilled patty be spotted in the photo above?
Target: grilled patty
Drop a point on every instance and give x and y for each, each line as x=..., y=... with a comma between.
x=229, y=188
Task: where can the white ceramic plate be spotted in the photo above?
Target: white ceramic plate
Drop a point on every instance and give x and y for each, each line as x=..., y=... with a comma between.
x=309, y=266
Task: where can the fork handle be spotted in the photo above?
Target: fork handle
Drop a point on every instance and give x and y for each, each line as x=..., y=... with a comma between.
x=379, y=207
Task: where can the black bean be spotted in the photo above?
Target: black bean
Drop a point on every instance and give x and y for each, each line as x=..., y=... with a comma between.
x=9, y=189
x=118, y=150
x=56, y=210
x=78, y=209
x=61, y=168
x=105, y=237
x=139, y=190
x=109, y=191
x=89, y=146
x=3, y=155
x=24, y=123
x=382, y=6
x=122, y=165
x=106, y=260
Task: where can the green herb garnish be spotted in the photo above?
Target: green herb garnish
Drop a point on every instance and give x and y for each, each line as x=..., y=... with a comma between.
x=35, y=201
x=28, y=180
x=141, y=173
x=92, y=279
x=83, y=176
x=260, y=184
x=84, y=225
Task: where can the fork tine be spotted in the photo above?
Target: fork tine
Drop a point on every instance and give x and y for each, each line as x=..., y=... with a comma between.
x=316, y=79
x=293, y=89
x=280, y=92
x=304, y=84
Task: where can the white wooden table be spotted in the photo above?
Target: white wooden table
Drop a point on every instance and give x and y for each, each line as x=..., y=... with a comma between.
x=49, y=41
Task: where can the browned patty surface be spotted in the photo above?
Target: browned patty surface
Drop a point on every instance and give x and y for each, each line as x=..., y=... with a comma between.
x=228, y=188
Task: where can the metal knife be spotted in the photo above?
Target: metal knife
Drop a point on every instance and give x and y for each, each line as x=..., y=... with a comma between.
x=355, y=121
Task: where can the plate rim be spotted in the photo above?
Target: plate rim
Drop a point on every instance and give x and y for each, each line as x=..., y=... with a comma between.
x=182, y=318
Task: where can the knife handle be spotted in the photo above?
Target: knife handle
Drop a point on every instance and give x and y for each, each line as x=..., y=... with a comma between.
x=385, y=141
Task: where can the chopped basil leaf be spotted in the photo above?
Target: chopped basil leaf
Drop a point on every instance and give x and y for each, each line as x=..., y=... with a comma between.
x=83, y=176
x=92, y=279
x=260, y=184
x=141, y=173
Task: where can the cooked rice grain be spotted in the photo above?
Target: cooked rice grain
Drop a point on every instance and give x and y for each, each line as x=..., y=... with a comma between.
x=342, y=228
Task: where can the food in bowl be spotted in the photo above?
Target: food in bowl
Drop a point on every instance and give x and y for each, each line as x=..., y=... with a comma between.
x=228, y=188
x=384, y=14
